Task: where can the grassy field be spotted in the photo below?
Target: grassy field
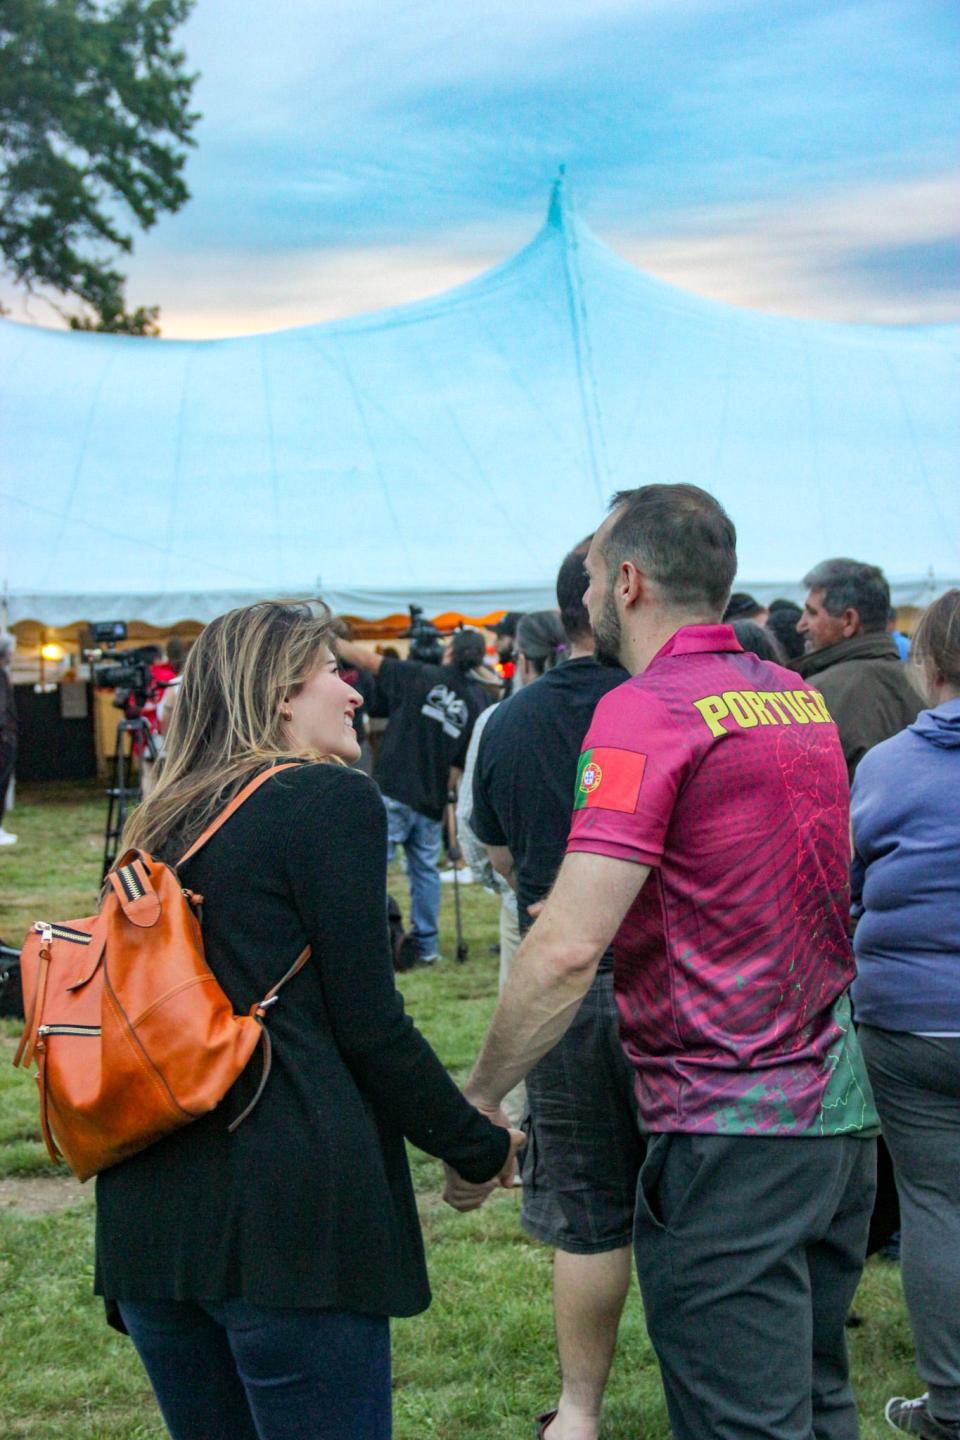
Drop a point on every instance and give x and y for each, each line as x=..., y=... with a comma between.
x=477, y=1366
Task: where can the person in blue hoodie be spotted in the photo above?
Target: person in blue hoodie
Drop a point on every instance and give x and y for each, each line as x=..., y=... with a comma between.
x=905, y=812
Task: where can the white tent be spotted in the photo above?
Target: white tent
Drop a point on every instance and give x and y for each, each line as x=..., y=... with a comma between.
x=449, y=452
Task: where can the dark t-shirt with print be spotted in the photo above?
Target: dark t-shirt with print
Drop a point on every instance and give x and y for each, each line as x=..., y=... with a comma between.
x=523, y=784
x=431, y=710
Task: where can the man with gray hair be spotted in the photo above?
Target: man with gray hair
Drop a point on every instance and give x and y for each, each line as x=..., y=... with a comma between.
x=8, y=731
x=851, y=658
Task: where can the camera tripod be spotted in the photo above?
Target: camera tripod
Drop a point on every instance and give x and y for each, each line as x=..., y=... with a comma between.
x=125, y=792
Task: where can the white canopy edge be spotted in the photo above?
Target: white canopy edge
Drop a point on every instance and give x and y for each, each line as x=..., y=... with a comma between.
x=55, y=610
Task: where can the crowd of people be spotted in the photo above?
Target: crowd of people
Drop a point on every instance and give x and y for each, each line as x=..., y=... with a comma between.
x=724, y=839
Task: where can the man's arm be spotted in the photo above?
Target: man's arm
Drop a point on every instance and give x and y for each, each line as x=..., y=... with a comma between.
x=359, y=656
x=554, y=969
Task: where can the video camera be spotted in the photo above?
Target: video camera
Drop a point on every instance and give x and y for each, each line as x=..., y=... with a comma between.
x=125, y=671
x=426, y=642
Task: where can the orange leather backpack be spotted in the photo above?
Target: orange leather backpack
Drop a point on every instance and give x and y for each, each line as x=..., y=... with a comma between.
x=132, y=1034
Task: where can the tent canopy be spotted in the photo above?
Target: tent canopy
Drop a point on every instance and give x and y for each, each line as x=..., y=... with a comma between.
x=451, y=451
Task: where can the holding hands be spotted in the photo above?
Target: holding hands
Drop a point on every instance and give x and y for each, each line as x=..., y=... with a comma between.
x=462, y=1194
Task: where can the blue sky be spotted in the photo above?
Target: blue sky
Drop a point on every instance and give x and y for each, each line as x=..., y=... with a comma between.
x=800, y=157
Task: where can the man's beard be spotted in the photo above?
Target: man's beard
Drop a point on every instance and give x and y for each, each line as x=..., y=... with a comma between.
x=607, y=633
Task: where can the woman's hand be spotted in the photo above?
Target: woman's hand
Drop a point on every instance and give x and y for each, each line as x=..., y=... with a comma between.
x=462, y=1194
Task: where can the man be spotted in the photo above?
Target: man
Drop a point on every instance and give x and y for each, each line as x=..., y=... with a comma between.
x=8, y=731
x=851, y=658
x=899, y=639
x=431, y=710
x=506, y=632
x=585, y=1148
x=711, y=837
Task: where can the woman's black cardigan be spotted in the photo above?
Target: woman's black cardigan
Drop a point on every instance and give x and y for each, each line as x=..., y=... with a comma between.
x=309, y=1202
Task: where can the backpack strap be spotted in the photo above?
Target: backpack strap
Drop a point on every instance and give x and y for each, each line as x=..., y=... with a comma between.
x=131, y=883
x=259, y=1009
x=234, y=806
x=258, y=1012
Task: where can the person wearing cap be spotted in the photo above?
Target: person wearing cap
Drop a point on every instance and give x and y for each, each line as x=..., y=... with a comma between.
x=506, y=633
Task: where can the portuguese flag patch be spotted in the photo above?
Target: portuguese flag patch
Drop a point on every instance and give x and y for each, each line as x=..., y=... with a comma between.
x=609, y=779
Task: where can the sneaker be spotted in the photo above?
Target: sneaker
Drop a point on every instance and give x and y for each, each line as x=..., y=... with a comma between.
x=913, y=1418
x=428, y=959
x=6, y=838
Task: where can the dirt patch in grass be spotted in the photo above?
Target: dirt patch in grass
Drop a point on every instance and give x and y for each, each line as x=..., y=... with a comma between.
x=41, y=1194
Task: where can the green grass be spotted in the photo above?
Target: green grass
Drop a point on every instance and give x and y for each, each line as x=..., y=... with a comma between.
x=477, y=1366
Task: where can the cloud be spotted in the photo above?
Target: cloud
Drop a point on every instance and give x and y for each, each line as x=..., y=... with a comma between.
x=883, y=254
x=310, y=287
x=357, y=154
x=392, y=121
x=843, y=255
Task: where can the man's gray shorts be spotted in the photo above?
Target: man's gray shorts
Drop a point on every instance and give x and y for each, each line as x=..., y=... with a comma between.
x=584, y=1150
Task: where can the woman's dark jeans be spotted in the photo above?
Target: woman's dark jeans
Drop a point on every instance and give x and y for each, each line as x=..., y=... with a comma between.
x=229, y=1370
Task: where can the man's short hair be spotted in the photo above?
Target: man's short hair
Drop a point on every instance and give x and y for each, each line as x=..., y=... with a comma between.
x=572, y=582
x=851, y=585
x=468, y=649
x=682, y=538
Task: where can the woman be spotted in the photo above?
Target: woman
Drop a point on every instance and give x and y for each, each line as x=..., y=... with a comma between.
x=255, y=1272
x=906, y=827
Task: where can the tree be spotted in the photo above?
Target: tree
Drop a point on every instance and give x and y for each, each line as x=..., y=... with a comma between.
x=145, y=320
x=95, y=119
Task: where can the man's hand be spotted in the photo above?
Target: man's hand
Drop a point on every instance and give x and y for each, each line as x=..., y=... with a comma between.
x=502, y=860
x=462, y=1195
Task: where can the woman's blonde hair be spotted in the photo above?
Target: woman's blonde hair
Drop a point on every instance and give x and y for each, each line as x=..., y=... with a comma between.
x=227, y=721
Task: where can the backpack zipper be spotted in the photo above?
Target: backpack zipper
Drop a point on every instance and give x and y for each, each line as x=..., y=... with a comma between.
x=50, y=932
x=68, y=1029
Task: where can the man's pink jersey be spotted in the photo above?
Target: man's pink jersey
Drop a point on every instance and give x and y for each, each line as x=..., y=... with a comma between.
x=725, y=775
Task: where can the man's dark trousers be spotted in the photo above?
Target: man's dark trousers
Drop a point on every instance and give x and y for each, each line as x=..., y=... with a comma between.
x=749, y=1250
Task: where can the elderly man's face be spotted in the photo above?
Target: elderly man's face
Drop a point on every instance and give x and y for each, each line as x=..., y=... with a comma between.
x=818, y=627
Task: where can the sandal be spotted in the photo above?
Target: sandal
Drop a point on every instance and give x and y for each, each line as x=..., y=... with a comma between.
x=542, y=1421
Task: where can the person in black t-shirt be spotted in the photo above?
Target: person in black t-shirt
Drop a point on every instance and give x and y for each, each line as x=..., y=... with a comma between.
x=506, y=633
x=365, y=686
x=431, y=711
x=581, y=1166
